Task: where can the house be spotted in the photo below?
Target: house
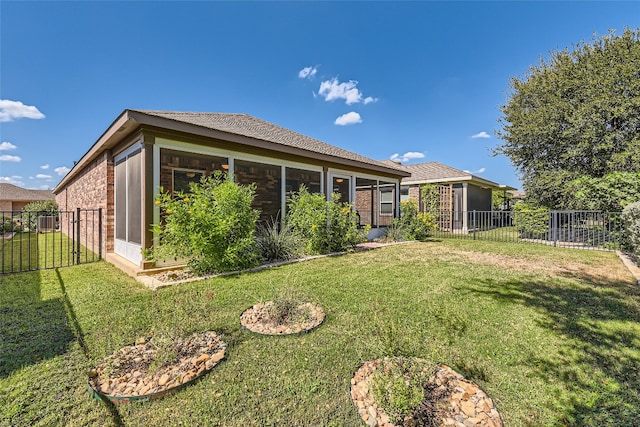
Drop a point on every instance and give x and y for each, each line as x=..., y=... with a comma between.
x=14, y=198
x=143, y=151
x=460, y=193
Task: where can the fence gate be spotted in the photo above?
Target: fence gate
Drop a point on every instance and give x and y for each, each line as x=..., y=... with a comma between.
x=40, y=240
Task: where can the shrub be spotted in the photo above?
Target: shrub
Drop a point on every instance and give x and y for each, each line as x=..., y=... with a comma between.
x=530, y=221
x=326, y=226
x=395, y=233
x=33, y=210
x=415, y=225
x=277, y=242
x=213, y=226
x=398, y=385
x=7, y=225
x=631, y=224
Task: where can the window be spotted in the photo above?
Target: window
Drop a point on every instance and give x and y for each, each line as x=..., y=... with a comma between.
x=341, y=186
x=404, y=193
x=182, y=178
x=386, y=201
x=268, y=179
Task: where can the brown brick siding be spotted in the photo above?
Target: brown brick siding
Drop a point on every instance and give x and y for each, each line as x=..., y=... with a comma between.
x=92, y=188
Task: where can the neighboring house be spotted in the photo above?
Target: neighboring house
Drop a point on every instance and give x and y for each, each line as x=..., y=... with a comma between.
x=14, y=198
x=142, y=151
x=460, y=192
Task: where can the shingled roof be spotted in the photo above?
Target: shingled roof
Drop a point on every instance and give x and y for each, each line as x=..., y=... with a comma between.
x=253, y=127
x=435, y=172
x=18, y=194
x=242, y=129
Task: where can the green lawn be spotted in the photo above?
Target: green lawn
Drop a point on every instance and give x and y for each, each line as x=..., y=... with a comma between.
x=552, y=335
x=28, y=251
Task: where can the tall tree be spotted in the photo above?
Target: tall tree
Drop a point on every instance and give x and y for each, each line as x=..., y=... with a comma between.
x=576, y=114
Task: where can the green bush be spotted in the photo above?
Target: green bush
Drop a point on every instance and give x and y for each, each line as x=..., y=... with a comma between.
x=631, y=224
x=213, y=226
x=7, y=225
x=277, y=242
x=530, y=221
x=33, y=210
x=394, y=233
x=326, y=226
x=398, y=385
x=415, y=225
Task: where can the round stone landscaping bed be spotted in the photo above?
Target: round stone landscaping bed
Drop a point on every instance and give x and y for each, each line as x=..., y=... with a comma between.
x=450, y=399
x=267, y=319
x=135, y=372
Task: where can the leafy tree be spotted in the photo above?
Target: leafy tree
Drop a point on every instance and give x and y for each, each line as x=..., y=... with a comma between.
x=576, y=114
x=33, y=210
x=610, y=193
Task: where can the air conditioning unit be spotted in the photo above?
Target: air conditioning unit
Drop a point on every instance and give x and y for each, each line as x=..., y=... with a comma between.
x=46, y=224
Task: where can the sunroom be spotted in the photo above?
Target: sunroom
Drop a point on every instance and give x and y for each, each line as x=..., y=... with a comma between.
x=153, y=150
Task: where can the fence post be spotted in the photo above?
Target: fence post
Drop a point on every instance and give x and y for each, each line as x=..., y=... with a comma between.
x=474, y=224
x=555, y=228
x=99, y=233
x=78, y=235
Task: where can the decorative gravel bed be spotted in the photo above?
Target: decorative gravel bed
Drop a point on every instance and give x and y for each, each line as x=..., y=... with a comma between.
x=259, y=319
x=450, y=400
x=129, y=373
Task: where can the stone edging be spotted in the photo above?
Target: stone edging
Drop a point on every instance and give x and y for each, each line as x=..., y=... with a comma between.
x=254, y=319
x=461, y=402
x=198, y=354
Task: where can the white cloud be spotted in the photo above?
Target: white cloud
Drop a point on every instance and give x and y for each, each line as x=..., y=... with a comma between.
x=481, y=170
x=482, y=134
x=409, y=155
x=6, y=146
x=44, y=167
x=8, y=158
x=62, y=170
x=348, y=119
x=43, y=176
x=11, y=110
x=333, y=89
x=369, y=100
x=308, y=72
x=15, y=180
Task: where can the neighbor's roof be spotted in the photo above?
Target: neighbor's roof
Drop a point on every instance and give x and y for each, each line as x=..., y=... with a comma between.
x=435, y=172
x=238, y=128
x=19, y=194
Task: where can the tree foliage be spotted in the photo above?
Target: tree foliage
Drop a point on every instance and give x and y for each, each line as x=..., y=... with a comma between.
x=576, y=114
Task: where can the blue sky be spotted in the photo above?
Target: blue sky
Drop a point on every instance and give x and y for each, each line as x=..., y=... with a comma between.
x=419, y=81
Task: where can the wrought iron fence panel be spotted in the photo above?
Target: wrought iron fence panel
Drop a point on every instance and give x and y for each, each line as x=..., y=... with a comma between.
x=569, y=229
x=38, y=240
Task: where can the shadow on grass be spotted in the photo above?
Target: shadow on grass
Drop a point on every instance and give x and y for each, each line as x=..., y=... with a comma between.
x=32, y=329
x=600, y=363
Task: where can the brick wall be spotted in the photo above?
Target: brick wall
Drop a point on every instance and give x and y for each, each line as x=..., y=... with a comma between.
x=92, y=188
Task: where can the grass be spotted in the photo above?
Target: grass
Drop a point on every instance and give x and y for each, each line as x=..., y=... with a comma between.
x=31, y=250
x=552, y=335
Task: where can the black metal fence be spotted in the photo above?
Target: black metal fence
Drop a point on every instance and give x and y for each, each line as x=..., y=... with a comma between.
x=40, y=240
x=569, y=229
